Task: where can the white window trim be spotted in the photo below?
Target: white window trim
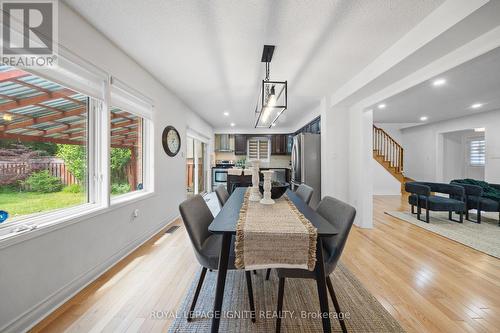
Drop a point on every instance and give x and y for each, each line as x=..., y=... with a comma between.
x=98, y=148
x=264, y=160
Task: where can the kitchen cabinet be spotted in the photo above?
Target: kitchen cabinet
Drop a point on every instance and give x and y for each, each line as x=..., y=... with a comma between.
x=279, y=144
x=240, y=144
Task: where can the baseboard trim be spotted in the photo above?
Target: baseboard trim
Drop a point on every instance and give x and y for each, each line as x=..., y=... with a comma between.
x=38, y=312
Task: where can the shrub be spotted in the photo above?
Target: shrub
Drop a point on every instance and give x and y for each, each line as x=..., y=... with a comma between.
x=120, y=188
x=73, y=188
x=75, y=159
x=43, y=182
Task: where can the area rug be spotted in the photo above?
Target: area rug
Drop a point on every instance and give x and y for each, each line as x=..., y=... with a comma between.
x=484, y=237
x=363, y=313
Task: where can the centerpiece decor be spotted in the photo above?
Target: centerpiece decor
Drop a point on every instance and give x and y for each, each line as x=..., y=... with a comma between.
x=266, y=200
x=254, y=191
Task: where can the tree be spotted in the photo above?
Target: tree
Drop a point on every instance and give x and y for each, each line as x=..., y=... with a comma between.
x=75, y=158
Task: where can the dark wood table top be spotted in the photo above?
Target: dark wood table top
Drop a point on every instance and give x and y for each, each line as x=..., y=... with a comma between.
x=225, y=221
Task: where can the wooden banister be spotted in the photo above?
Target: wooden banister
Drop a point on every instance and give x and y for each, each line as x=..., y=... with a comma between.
x=384, y=145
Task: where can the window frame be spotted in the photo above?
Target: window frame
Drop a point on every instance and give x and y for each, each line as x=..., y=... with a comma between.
x=98, y=153
x=259, y=138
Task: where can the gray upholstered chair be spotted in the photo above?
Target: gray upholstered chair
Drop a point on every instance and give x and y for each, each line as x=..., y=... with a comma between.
x=222, y=194
x=341, y=215
x=305, y=192
x=475, y=199
x=197, y=217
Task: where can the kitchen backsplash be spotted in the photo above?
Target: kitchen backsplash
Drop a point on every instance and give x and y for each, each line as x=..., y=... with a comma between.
x=277, y=161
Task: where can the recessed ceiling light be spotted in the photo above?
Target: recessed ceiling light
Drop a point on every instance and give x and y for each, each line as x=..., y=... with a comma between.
x=233, y=124
x=480, y=129
x=476, y=105
x=381, y=106
x=273, y=124
x=438, y=82
x=7, y=117
x=226, y=113
x=424, y=118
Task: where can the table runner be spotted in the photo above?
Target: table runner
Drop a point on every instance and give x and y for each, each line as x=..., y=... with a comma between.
x=274, y=236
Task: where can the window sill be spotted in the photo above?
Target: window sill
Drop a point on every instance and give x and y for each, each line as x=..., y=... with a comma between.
x=65, y=218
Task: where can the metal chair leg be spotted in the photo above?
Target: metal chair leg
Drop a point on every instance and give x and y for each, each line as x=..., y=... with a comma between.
x=336, y=304
x=248, y=277
x=197, y=293
x=281, y=291
x=268, y=273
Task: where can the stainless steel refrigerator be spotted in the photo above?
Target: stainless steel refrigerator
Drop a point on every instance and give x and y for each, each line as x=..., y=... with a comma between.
x=306, y=163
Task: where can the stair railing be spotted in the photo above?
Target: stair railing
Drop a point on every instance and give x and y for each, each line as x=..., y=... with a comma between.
x=384, y=145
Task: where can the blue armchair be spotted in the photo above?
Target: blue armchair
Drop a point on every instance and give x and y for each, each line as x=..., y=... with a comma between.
x=474, y=200
x=421, y=196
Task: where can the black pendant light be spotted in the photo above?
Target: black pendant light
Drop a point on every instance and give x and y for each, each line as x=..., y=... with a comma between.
x=273, y=95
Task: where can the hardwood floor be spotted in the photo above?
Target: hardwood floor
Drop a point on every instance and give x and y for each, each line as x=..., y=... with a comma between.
x=427, y=282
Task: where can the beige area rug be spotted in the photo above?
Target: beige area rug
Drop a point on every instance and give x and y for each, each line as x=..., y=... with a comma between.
x=484, y=237
x=363, y=312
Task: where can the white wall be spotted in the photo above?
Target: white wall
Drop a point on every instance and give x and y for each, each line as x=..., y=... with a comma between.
x=37, y=274
x=394, y=130
x=383, y=182
x=424, y=146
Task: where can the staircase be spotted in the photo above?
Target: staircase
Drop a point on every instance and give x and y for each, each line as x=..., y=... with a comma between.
x=390, y=154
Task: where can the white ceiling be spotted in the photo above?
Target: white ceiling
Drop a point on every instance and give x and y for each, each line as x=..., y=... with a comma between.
x=476, y=81
x=208, y=52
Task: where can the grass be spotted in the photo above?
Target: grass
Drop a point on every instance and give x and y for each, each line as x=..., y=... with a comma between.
x=23, y=203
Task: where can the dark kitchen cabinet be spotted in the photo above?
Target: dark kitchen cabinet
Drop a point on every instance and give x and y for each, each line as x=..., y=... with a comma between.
x=279, y=144
x=240, y=144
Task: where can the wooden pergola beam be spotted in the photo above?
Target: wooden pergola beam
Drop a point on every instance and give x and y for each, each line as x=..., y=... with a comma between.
x=31, y=121
x=37, y=99
x=13, y=74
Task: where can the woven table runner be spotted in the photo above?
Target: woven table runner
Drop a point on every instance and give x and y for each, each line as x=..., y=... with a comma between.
x=274, y=236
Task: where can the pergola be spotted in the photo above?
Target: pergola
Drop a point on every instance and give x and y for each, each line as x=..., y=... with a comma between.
x=33, y=109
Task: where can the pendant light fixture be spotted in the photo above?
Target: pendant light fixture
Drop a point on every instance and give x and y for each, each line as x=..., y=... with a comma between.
x=272, y=100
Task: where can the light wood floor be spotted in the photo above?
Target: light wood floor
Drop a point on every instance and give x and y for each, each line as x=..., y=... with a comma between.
x=427, y=282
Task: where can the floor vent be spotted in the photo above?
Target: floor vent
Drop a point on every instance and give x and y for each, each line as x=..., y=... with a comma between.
x=172, y=229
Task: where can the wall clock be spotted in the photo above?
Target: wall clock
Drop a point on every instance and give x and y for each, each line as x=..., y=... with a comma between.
x=171, y=141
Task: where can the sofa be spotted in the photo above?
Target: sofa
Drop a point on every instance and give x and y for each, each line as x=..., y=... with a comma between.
x=474, y=199
x=422, y=195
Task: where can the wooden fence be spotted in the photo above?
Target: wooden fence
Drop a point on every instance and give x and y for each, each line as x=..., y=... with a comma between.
x=56, y=169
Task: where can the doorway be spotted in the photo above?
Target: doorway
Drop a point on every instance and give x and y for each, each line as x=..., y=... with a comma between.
x=196, y=152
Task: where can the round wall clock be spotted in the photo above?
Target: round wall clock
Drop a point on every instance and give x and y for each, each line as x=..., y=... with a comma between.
x=171, y=141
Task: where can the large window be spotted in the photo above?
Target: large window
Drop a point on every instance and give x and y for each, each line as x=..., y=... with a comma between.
x=126, y=154
x=258, y=149
x=477, y=152
x=43, y=145
x=57, y=160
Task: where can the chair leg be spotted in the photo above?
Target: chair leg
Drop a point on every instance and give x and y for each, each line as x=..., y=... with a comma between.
x=450, y=216
x=281, y=291
x=250, y=294
x=461, y=217
x=412, y=209
x=197, y=293
x=336, y=304
x=467, y=215
x=478, y=216
x=427, y=217
x=268, y=273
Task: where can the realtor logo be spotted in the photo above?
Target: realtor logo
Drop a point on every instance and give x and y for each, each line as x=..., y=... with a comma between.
x=29, y=33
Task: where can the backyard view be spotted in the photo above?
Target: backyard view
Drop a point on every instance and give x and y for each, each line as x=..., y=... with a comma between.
x=43, y=146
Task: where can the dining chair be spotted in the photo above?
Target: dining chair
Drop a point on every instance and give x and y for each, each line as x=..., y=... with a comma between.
x=341, y=215
x=197, y=217
x=222, y=194
x=305, y=192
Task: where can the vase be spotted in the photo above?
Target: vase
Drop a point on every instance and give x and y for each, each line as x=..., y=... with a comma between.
x=254, y=191
x=266, y=200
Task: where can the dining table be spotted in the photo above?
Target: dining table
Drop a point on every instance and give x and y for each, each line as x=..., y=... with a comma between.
x=225, y=224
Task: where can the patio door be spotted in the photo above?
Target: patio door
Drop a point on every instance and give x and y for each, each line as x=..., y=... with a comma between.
x=196, y=166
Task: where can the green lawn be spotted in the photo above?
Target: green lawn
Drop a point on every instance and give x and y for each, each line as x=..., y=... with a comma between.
x=23, y=203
